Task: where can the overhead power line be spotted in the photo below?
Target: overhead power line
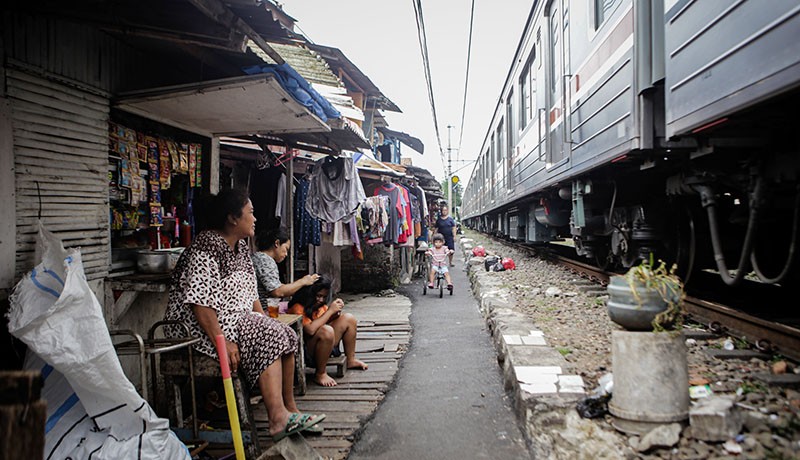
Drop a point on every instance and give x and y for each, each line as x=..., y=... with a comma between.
x=423, y=47
x=466, y=79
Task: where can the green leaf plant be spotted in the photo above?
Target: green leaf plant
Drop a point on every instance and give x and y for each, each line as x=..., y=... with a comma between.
x=651, y=276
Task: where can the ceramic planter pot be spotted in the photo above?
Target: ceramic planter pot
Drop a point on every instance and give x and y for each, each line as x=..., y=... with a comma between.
x=635, y=312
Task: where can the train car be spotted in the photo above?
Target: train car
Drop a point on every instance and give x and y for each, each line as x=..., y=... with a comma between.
x=633, y=127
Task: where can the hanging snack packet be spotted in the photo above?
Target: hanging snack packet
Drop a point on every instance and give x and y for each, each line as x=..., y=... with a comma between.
x=137, y=183
x=173, y=154
x=192, y=165
x=165, y=163
x=124, y=171
x=156, y=219
x=198, y=168
x=183, y=156
x=129, y=135
x=155, y=193
x=152, y=151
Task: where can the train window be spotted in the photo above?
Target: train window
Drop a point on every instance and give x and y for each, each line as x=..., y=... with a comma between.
x=510, y=116
x=602, y=10
x=510, y=133
x=554, y=55
x=501, y=136
x=492, y=157
x=525, y=87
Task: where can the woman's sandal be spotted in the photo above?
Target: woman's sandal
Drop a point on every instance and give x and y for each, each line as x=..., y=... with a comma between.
x=298, y=423
x=313, y=426
x=315, y=429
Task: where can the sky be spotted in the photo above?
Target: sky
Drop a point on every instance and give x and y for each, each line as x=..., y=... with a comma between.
x=380, y=37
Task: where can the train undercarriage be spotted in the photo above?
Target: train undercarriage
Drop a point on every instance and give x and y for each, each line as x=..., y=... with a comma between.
x=730, y=205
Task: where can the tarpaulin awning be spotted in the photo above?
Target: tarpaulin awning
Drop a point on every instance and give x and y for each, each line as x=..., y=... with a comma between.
x=344, y=135
x=230, y=106
x=407, y=139
x=299, y=88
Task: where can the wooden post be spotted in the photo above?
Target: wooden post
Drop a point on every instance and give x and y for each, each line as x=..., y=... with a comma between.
x=22, y=415
x=288, y=213
x=8, y=208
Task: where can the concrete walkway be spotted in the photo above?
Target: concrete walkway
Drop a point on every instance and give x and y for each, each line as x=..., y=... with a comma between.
x=448, y=401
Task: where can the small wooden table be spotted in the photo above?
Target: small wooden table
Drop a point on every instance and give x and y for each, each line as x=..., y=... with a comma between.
x=296, y=323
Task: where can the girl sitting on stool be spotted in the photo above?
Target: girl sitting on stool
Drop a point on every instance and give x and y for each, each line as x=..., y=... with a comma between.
x=324, y=327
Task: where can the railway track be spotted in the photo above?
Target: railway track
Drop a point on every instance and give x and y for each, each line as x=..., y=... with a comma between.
x=767, y=336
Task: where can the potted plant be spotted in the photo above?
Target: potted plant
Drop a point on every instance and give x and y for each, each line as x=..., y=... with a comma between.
x=649, y=367
x=647, y=297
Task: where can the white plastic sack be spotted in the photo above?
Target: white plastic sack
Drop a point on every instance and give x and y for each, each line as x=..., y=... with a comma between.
x=93, y=409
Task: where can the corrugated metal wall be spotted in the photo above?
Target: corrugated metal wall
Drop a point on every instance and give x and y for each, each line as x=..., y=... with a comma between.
x=61, y=142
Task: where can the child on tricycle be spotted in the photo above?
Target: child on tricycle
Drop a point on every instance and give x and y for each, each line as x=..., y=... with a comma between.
x=438, y=255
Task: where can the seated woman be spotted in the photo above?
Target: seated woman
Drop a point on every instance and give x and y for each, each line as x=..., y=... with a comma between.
x=324, y=326
x=273, y=246
x=213, y=291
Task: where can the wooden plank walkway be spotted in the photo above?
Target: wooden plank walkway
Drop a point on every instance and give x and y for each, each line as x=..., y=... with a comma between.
x=384, y=332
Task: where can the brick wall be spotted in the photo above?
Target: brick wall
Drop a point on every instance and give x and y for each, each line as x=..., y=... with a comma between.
x=379, y=270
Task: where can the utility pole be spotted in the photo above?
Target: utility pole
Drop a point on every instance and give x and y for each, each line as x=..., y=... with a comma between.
x=449, y=172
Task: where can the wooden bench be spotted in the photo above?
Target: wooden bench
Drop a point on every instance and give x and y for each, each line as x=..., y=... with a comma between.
x=340, y=362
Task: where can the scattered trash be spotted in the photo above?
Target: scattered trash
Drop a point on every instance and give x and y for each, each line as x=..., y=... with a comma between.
x=605, y=386
x=728, y=345
x=700, y=391
x=691, y=342
x=698, y=381
x=732, y=447
x=508, y=263
x=552, y=291
x=56, y=314
x=596, y=405
x=489, y=262
x=498, y=267
x=779, y=367
x=593, y=406
x=479, y=251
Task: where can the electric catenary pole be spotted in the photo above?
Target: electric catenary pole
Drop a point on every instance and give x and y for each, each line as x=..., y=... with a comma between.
x=449, y=171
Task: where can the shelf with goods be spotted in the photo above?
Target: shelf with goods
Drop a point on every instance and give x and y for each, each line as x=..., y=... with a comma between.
x=153, y=177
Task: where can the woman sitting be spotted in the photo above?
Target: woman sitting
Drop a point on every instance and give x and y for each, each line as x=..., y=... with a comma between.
x=324, y=326
x=213, y=291
x=273, y=247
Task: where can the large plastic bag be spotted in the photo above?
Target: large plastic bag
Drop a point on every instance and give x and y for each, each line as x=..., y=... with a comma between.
x=92, y=407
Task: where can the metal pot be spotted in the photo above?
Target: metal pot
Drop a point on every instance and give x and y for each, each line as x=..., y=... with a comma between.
x=635, y=311
x=160, y=261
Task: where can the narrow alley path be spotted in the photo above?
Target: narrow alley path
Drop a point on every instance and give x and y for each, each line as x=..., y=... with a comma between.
x=449, y=401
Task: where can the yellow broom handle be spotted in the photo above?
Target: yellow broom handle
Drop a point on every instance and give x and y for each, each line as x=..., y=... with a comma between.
x=230, y=399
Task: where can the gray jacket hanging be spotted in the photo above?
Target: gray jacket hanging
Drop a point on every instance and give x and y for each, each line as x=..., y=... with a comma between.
x=335, y=190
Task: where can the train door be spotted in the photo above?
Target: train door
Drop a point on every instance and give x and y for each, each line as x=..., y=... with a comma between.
x=558, y=130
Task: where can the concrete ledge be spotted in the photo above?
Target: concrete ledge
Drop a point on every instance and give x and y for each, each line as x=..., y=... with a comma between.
x=544, y=388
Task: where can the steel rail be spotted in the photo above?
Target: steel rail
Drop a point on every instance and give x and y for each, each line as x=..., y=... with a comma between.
x=767, y=336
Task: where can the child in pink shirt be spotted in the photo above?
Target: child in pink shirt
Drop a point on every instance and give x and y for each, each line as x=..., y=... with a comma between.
x=439, y=253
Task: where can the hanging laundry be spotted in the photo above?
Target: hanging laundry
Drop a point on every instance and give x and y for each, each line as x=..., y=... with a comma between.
x=280, y=197
x=394, y=210
x=307, y=227
x=335, y=190
x=342, y=235
x=375, y=218
x=264, y=195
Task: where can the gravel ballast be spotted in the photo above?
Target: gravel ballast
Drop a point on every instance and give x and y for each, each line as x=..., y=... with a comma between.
x=571, y=313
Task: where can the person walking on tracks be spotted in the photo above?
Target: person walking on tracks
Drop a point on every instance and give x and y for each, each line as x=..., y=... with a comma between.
x=446, y=225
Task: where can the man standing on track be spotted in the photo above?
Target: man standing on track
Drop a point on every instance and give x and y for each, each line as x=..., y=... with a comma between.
x=446, y=225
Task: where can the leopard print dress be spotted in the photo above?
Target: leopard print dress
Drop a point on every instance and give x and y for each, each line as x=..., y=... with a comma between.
x=212, y=274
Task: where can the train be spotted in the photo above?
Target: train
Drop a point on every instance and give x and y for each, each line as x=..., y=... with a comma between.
x=639, y=128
